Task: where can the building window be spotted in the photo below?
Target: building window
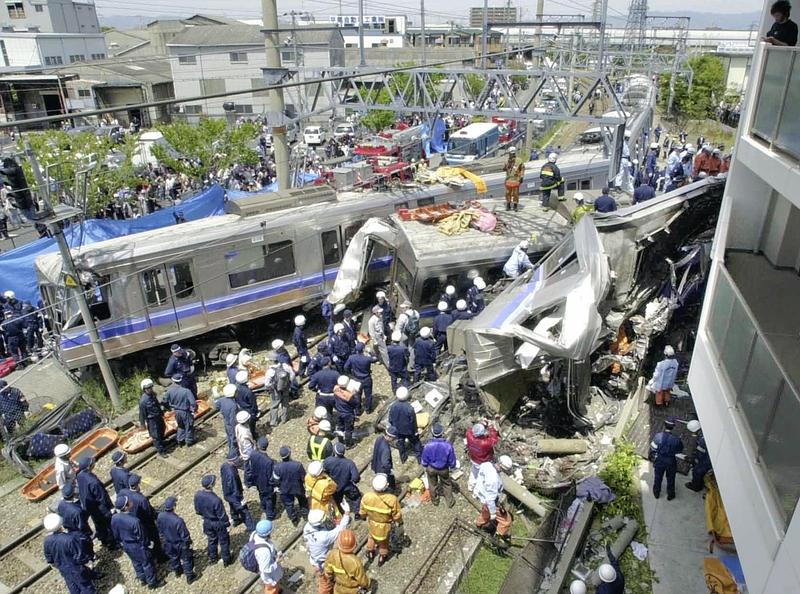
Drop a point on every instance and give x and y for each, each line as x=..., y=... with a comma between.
x=238, y=108
x=53, y=60
x=84, y=93
x=38, y=8
x=16, y=10
x=192, y=109
x=187, y=60
x=238, y=57
x=287, y=55
x=98, y=56
x=252, y=265
x=77, y=58
x=5, y=53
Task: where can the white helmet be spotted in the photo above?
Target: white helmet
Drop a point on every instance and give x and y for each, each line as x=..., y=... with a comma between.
x=321, y=412
x=461, y=305
x=242, y=416
x=325, y=425
x=669, y=351
x=315, y=468
x=523, y=245
x=380, y=482
x=450, y=290
x=693, y=426
x=342, y=381
x=229, y=391
x=316, y=516
x=9, y=295
x=380, y=295
x=442, y=306
x=653, y=145
x=61, y=450
x=512, y=150
x=552, y=157
x=578, y=196
x=230, y=359
x=338, y=308
x=424, y=332
x=506, y=463
x=397, y=336
x=402, y=393
x=479, y=283
x=338, y=327
x=146, y=383
x=242, y=376
x=299, y=320
x=52, y=522
x=577, y=587
x=607, y=573
x=277, y=344
x=588, y=200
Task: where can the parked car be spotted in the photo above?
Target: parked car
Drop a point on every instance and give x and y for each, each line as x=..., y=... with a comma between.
x=343, y=130
x=313, y=135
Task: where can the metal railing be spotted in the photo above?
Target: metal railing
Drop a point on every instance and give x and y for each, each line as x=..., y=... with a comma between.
x=777, y=115
x=765, y=393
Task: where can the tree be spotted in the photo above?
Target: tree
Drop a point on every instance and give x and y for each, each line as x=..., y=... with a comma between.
x=708, y=88
x=474, y=85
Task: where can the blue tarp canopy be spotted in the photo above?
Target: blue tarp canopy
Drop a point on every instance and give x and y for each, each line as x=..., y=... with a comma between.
x=17, y=272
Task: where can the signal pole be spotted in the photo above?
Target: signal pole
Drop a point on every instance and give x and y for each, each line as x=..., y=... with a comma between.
x=276, y=115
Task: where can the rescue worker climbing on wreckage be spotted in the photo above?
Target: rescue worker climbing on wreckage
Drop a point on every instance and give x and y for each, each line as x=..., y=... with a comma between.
x=550, y=179
x=518, y=262
x=515, y=171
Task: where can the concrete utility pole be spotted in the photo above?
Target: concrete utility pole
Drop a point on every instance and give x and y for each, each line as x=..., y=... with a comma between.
x=276, y=116
x=362, y=59
x=422, y=24
x=57, y=229
x=484, y=42
x=601, y=51
x=537, y=38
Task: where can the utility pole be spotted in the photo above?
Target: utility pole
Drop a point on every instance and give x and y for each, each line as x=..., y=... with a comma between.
x=484, y=44
x=362, y=59
x=537, y=38
x=57, y=229
x=276, y=115
x=422, y=24
x=601, y=51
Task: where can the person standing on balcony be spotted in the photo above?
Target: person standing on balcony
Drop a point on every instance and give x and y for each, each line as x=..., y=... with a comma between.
x=784, y=29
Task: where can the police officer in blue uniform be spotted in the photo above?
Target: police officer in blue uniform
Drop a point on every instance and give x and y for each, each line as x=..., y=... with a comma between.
x=95, y=501
x=382, y=453
x=14, y=330
x=449, y=297
x=181, y=363
x=233, y=492
x=151, y=415
x=119, y=474
x=63, y=551
x=13, y=406
x=461, y=312
x=232, y=367
x=327, y=314
x=301, y=344
x=208, y=505
x=323, y=382
x=288, y=476
x=246, y=399
x=424, y=356
x=315, y=363
x=440, y=324
x=475, y=300
x=345, y=474
x=258, y=473
x=182, y=401
x=359, y=366
x=228, y=407
x=76, y=520
x=350, y=330
x=176, y=541
x=403, y=420
x=348, y=407
x=33, y=327
x=387, y=314
x=663, y=449
x=141, y=508
x=340, y=346
x=130, y=532
x=702, y=461
x=398, y=361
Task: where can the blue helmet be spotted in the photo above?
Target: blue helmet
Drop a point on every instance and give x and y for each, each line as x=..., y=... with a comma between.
x=264, y=527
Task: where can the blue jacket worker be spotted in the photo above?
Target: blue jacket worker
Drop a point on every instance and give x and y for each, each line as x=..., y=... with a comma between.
x=440, y=324
x=151, y=415
x=449, y=297
x=130, y=533
x=359, y=367
x=63, y=551
x=76, y=520
x=327, y=314
x=387, y=314
x=141, y=508
x=233, y=492
x=461, y=312
x=182, y=401
x=403, y=420
x=605, y=203
x=398, y=361
x=208, y=505
x=323, y=382
x=176, y=541
x=340, y=346
x=119, y=474
x=424, y=356
x=258, y=474
x=301, y=344
x=344, y=473
x=611, y=579
x=228, y=407
x=95, y=501
x=476, y=302
x=13, y=406
x=438, y=459
x=663, y=449
x=181, y=363
x=348, y=407
x=246, y=399
x=382, y=454
x=288, y=476
x=702, y=461
x=232, y=368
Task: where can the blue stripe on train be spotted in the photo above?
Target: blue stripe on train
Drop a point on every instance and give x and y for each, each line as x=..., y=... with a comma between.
x=531, y=287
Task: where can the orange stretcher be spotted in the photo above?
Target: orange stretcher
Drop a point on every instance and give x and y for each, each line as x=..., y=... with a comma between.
x=95, y=444
x=135, y=441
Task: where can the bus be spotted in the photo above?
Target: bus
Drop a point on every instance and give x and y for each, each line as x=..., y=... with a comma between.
x=473, y=142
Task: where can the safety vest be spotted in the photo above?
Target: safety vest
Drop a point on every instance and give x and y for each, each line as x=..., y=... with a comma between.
x=347, y=569
x=321, y=489
x=548, y=177
x=379, y=514
x=316, y=447
x=514, y=171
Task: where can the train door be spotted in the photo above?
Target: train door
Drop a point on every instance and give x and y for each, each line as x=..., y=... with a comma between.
x=188, y=300
x=332, y=251
x=159, y=302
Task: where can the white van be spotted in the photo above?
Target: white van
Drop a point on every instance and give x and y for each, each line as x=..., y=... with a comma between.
x=344, y=129
x=313, y=135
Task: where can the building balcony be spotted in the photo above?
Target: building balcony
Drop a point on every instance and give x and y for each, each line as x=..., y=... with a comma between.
x=776, y=118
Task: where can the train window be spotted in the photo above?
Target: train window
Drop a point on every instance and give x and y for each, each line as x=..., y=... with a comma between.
x=331, y=252
x=586, y=184
x=400, y=205
x=425, y=202
x=350, y=232
x=180, y=276
x=571, y=186
x=253, y=265
x=155, y=286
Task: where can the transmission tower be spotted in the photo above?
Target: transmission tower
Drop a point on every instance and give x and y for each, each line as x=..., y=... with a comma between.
x=636, y=25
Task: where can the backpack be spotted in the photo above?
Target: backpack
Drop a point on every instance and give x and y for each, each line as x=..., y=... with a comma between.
x=282, y=380
x=247, y=556
x=412, y=326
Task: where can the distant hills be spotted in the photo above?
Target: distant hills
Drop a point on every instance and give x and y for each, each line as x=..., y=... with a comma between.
x=706, y=20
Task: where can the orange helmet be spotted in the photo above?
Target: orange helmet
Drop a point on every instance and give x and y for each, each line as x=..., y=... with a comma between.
x=347, y=541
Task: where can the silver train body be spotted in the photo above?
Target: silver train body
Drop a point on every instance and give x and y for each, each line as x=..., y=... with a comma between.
x=270, y=253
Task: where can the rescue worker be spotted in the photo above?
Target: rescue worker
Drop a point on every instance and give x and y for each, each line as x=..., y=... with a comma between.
x=233, y=493
x=208, y=506
x=377, y=334
x=494, y=518
x=323, y=382
x=663, y=449
x=176, y=541
x=14, y=330
x=267, y=556
x=403, y=420
x=288, y=476
x=340, y=346
x=382, y=454
x=481, y=439
x=461, y=312
x=95, y=501
x=63, y=551
x=350, y=329
x=319, y=489
x=515, y=171
x=281, y=354
x=344, y=473
x=151, y=415
x=182, y=401
x=702, y=162
x=382, y=510
x=320, y=445
x=316, y=363
x=440, y=324
x=438, y=459
x=387, y=315
x=449, y=296
x=701, y=463
x=278, y=382
x=130, y=532
x=518, y=262
x=12, y=303
x=64, y=468
x=181, y=363
x=232, y=367
x=611, y=579
x=715, y=162
x=424, y=356
x=76, y=520
x=141, y=508
x=228, y=407
x=577, y=587
x=245, y=442
x=312, y=423
x=13, y=406
x=359, y=367
x=664, y=377
x=651, y=163
x=33, y=328
x=585, y=204
x=301, y=344
x=119, y=474
x=475, y=300
x=319, y=542
x=344, y=569
x=327, y=314
x=246, y=399
x=398, y=361
x=604, y=202
x=550, y=179
x=643, y=193
x=258, y=474
x=348, y=406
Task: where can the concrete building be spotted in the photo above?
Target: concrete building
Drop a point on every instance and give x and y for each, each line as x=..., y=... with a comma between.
x=379, y=30
x=745, y=369
x=50, y=16
x=737, y=61
x=494, y=14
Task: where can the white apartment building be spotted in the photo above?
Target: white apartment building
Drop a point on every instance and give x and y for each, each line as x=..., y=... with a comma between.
x=745, y=370
x=379, y=30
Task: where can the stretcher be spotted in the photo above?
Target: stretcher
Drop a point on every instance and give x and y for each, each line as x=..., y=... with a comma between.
x=139, y=439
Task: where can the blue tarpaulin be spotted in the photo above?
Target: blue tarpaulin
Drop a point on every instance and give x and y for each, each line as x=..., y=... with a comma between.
x=17, y=272
x=438, y=143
